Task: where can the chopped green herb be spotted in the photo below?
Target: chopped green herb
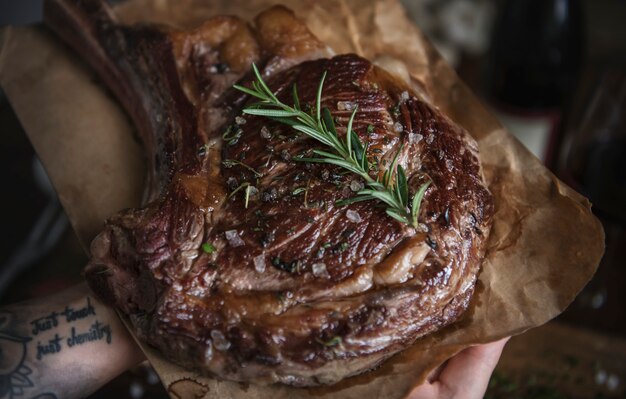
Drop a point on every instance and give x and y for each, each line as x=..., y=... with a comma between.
x=332, y=342
x=285, y=266
x=247, y=197
x=208, y=248
x=229, y=163
x=232, y=134
x=250, y=190
x=396, y=110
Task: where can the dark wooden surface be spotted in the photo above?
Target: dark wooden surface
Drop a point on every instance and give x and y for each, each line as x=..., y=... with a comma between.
x=561, y=361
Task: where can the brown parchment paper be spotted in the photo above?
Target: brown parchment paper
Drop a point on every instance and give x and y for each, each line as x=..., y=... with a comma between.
x=544, y=247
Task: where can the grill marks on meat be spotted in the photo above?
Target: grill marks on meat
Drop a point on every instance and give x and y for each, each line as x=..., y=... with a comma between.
x=298, y=290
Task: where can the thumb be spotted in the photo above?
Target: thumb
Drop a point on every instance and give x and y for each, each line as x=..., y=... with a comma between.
x=467, y=374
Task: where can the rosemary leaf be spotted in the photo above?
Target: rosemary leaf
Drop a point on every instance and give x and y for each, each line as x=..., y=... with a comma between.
x=417, y=201
x=318, y=99
x=296, y=100
x=358, y=198
x=394, y=214
x=401, y=186
x=349, y=134
x=250, y=92
x=272, y=113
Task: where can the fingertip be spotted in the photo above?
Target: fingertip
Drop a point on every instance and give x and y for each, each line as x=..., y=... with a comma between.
x=468, y=372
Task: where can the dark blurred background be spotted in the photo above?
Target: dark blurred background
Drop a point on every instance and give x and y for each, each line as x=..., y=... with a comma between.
x=553, y=71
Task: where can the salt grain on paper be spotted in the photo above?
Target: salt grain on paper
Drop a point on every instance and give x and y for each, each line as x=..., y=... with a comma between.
x=233, y=238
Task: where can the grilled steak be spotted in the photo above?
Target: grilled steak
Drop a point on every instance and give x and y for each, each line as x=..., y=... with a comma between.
x=275, y=282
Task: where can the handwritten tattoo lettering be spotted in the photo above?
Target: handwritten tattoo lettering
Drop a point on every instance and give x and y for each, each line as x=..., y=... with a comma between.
x=96, y=332
x=50, y=321
x=73, y=315
x=44, y=323
x=52, y=346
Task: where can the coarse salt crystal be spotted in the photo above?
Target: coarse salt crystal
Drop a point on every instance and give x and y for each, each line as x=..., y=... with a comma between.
x=285, y=155
x=404, y=96
x=398, y=127
x=319, y=269
x=232, y=183
x=220, y=342
x=345, y=106
x=240, y=120
x=353, y=216
x=259, y=263
x=356, y=185
x=265, y=133
x=233, y=238
x=449, y=165
x=208, y=352
x=415, y=138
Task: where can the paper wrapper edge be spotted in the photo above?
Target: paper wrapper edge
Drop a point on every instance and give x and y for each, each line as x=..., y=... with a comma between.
x=544, y=247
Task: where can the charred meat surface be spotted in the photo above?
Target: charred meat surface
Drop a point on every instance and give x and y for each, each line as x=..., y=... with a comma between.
x=240, y=263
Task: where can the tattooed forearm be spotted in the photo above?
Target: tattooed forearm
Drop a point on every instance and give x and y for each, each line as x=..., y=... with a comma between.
x=45, y=346
x=95, y=332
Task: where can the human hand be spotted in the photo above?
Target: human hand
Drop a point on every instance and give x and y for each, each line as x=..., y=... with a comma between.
x=465, y=376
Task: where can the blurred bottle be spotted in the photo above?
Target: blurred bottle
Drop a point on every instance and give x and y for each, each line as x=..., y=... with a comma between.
x=533, y=65
x=595, y=148
x=594, y=163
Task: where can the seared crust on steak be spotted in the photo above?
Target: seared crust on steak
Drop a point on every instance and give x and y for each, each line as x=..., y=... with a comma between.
x=292, y=288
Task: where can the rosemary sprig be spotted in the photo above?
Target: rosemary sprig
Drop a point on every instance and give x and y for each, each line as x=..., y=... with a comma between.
x=349, y=153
